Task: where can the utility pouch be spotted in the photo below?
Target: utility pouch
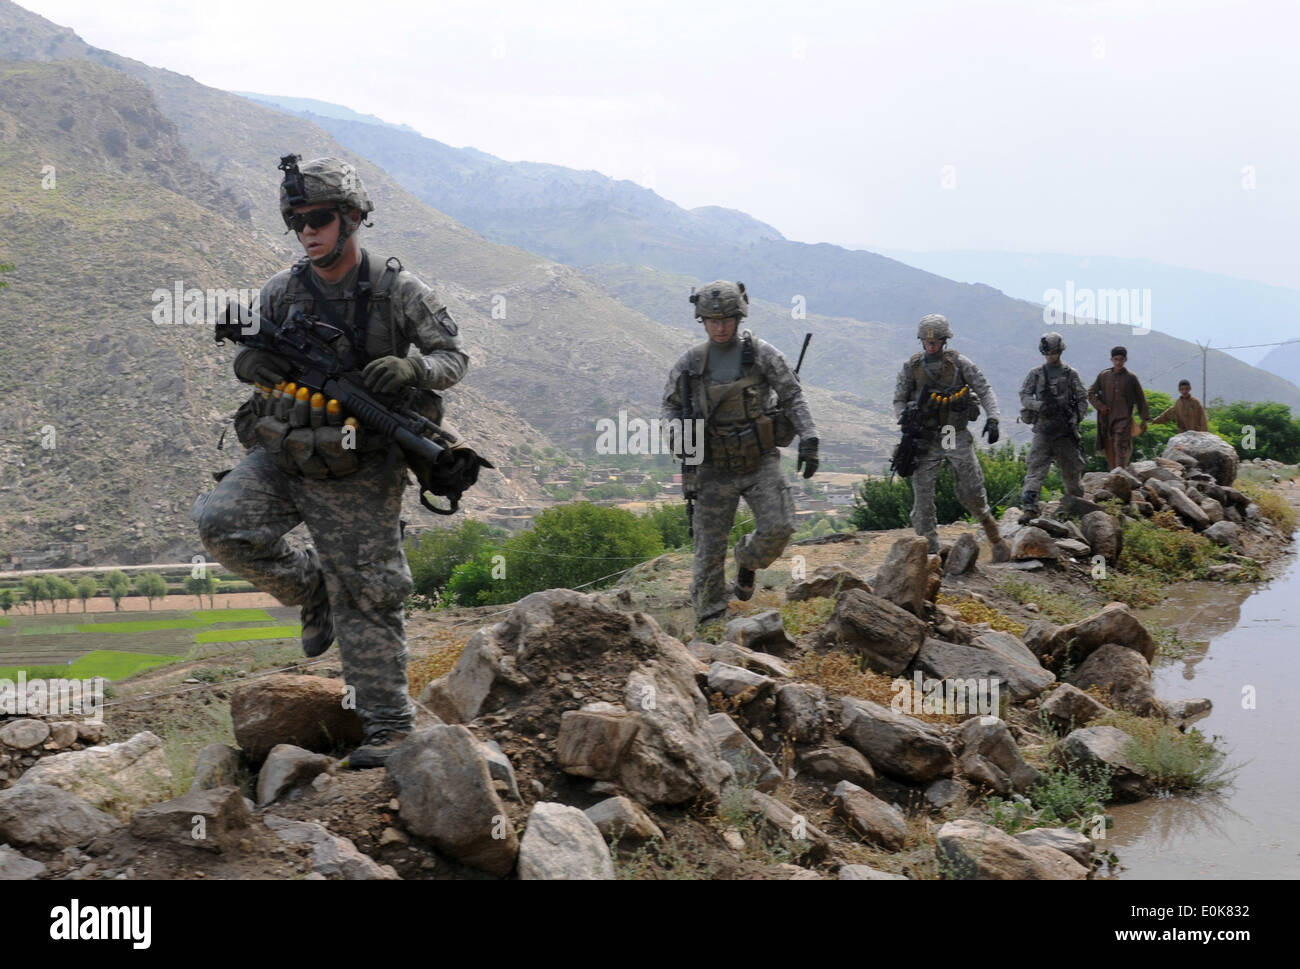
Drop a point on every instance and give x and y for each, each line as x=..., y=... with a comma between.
x=300, y=445
x=329, y=448
x=783, y=432
x=735, y=449
x=271, y=432
x=246, y=422
x=766, y=432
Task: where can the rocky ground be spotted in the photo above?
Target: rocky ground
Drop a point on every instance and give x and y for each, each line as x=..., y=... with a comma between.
x=592, y=736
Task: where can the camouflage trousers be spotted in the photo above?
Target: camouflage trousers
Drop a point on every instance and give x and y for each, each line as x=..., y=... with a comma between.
x=966, y=471
x=768, y=496
x=1042, y=452
x=356, y=558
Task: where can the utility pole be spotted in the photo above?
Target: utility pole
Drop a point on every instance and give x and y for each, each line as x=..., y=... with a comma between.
x=1205, y=394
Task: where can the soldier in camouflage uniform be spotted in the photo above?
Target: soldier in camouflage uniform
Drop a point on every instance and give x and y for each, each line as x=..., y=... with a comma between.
x=1053, y=400
x=354, y=576
x=949, y=389
x=752, y=404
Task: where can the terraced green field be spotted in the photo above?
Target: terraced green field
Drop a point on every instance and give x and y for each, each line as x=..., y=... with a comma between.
x=116, y=645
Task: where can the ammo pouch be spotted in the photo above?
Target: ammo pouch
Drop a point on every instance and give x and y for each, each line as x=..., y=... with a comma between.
x=735, y=448
x=246, y=423
x=310, y=452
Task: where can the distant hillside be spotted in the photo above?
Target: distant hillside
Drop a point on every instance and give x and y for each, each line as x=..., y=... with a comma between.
x=323, y=108
x=618, y=231
x=1284, y=361
x=1186, y=303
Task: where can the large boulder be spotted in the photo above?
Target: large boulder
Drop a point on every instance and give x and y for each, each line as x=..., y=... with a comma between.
x=622, y=819
x=307, y=711
x=288, y=767
x=897, y=744
x=118, y=778
x=521, y=662
x=763, y=633
x=24, y=734
x=216, y=766
x=884, y=635
x=332, y=855
x=563, y=844
x=1187, y=509
x=837, y=763
x=1032, y=543
x=447, y=798
x=15, y=867
x=1104, y=535
x=1225, y=533
x=1210, y=452
x=801, y=711
x=752, y=767
x=224, y=818
x=826, y=581
x=973, y=664
x=1123, y=675
x=1115, y=623
x=963, y=555
x=869, y=817
x=44, y=816
x=737, y=683
x=1094, y=748
x=1068, y=707
x=989, y=757
x=592, y=740
x=974, y=850
x=1073, y=506
x=901, y=578
x=1078, y=846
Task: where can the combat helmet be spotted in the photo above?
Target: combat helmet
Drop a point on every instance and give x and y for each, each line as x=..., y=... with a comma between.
x=1051, y=343
x=324, y=180
x=720, y=299
x=934, y=327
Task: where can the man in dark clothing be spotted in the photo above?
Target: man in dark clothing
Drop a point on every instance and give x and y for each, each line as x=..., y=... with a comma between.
x=1115, y=393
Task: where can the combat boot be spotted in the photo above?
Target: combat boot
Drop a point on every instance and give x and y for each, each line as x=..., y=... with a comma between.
x=1030, y=508
x=375, y=750
x=1001, y=551
x=744, y=588
x=317, y=625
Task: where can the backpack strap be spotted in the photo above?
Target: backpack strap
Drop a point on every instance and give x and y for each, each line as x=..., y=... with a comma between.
x=361, y=315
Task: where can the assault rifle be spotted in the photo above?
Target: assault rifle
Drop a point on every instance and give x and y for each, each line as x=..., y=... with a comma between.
x=912, y=424
x=690, y=488
x=442, y=465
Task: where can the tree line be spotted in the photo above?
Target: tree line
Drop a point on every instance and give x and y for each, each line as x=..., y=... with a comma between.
x=51, y=589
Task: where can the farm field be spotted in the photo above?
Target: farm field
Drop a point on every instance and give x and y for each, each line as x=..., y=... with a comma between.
x=118, y=644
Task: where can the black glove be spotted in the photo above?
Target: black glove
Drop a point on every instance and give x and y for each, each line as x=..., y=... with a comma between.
x=809, y=460
x=991, y=430
x=262, y=367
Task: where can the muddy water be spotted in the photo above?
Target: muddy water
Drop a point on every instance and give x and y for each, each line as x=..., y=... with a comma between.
x=1252, y=829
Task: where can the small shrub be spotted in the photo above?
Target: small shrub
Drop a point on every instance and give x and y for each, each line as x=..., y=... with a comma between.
x=806, y=616
x=1174, y=760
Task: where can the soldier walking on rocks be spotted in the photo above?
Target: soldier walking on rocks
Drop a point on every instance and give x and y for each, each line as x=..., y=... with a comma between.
x=752, y=405
x=948, y=389
x=1115, y=393
x=353, y=578
x=1053, y=400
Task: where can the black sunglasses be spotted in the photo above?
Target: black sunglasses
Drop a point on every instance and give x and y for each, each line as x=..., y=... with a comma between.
x=316, y=218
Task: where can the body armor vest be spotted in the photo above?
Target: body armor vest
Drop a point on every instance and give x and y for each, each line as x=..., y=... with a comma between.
x=945, y=399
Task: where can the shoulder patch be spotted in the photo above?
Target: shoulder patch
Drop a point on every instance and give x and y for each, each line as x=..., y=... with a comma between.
x=434, y=306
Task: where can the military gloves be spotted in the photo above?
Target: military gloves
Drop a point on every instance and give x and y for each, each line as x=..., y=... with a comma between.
x=809, y=460
x=388, y=375
x=262, y=367
x=991, y=430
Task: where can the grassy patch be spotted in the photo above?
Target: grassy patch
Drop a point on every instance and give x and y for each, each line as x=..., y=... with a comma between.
x=112, y=664
x=1271, y=505
x=973, y=611
x=842, y=673
x=49, y=629
x=1060, y=607
x=1174, y=760
x=807, y=615
x=248, y=633
x=1073, y=797
x=424, y=670
x=1142, y=587
x=1164, y=549
x=4, y=621
x=184, y=738
x=138, y=625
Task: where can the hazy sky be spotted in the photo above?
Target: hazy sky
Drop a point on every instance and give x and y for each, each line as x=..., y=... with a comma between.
x=1161, y=130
